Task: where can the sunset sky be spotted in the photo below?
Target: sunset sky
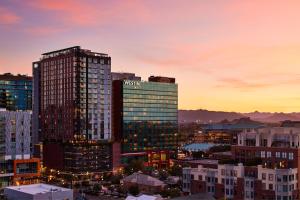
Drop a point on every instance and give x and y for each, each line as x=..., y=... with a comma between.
x=228, y=55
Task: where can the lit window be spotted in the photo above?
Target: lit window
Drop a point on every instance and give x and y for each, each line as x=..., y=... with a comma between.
x=277, y=154
x=291, y=156
x=283, y=154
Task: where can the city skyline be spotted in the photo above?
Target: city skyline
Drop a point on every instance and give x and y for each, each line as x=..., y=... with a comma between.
x=226, y=55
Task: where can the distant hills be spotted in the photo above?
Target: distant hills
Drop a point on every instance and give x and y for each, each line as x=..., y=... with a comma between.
x=206, y=116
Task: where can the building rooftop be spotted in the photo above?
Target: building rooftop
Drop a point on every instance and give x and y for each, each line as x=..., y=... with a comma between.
x=225, y=153
x=161, y=79
x=145, y=197
x=69, y=50
x=11, y=77
x=143, y=179
x=198, y=196
x=37, y=188
x=205, y=162
x=198, y=147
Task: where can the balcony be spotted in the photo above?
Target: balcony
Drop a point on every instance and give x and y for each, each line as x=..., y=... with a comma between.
x=281, y=144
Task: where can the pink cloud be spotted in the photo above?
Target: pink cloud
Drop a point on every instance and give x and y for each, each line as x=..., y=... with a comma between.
x=87, y=13
x=7, y=17
x=43, y=31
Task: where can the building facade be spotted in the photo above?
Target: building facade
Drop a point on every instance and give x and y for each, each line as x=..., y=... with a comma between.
x=74, y=89
x=72, y=95
x=15, y=92
x=240, y=182
x=124, y=76
x=145, y=120
x=38, y=192
x=16, y=163
x=268, y=167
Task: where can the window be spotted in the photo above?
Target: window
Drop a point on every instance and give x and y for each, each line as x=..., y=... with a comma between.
x=235, y=173
x=291, y=156
x=283, y=154
x=247, y=183
x=270, y=186
x=277, y=154
x=278, y=178
x=263, y=176
x=223, y=172
x=269, y=154
x=262, y=154
x=227, y=181
x=271, y=176
x=285, y=188
x=200, y=178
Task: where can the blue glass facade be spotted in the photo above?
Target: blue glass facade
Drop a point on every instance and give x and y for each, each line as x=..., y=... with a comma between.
x=149, y=116
x=15, y=92
x=146, y=120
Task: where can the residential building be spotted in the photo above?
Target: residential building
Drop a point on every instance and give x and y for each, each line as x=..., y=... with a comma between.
x=240, y=182
x=72, y=95
x=15, y=92
x=225, y=131
x=277, y=147
x=145, y=120
x=268, y=167
x=38, y=192
x=16, y=163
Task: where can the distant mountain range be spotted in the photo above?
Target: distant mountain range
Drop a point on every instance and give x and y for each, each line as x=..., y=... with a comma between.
x=206, y=116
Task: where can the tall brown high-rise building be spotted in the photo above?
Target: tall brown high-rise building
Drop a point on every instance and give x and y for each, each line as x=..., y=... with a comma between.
x=72, y=89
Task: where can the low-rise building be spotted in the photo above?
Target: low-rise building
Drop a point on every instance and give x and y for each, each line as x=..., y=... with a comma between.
x=38, y=192
x=145, y=183
x=17, y=166
x=145, y=197
x=241, y=182
x=268, y=168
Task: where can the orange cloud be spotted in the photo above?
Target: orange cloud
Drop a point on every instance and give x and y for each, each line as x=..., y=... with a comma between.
x=241, y=84
x=8, y=17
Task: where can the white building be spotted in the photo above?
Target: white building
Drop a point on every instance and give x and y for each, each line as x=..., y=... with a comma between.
x=233, y=179
x=15, y=135
x=270, y=137
x=38, y=192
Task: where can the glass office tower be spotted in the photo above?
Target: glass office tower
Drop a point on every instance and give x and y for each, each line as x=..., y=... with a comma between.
x=145, y=120
x=15, y=92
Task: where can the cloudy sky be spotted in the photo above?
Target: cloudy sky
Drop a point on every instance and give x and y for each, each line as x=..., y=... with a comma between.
x=229, y=55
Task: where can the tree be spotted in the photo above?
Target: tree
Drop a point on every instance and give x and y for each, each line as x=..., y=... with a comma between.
x=170, y=192
x=96, y=187
x=175, y=170
x=219, y=148
x=163, y=175
x=115, y=179
x=134, y=190
x=198, y=154
x=134, y=166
